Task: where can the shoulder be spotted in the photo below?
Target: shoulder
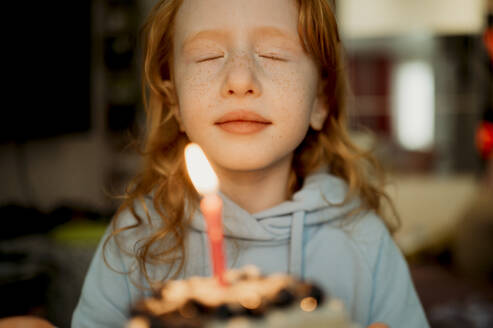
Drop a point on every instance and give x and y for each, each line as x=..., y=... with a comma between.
x=136, y=222
x=394, y=299
x=145, y=240
x=370, y=237
x=140, y=210
x=127, y=232
x=367, y=228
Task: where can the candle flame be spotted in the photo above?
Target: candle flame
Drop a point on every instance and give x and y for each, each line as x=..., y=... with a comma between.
x=308, y=304
x=200, y=170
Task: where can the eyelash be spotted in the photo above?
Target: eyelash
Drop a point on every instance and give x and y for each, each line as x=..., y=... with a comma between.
x=208, y=59
x=272, y=57
x=263, y=56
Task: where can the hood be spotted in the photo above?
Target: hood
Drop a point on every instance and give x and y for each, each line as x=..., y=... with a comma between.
x=317, y=202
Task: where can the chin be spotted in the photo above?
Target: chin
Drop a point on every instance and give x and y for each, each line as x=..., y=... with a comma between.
x=243, y=164
x=251, y=161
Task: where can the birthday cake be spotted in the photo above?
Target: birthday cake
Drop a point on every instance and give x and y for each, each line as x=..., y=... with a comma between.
x=248, y=299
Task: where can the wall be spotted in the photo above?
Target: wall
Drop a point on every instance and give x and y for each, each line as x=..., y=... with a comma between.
x=71, y=168
x=48, y=172
x=378, y=18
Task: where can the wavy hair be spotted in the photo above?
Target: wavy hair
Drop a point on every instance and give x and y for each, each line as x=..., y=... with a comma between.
x=163, y=173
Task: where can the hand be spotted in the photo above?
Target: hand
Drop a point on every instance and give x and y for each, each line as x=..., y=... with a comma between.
x=24, y=322
x=378, y=325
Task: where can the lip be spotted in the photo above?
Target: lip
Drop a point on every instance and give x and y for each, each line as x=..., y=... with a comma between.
x=242, y=122
x=242, y=115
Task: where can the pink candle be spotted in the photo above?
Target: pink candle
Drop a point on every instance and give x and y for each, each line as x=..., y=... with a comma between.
x=211, y=206
x=205, y=181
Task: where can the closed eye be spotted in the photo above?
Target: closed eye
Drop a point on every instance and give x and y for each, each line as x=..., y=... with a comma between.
x=210, y=58
x=273, y=57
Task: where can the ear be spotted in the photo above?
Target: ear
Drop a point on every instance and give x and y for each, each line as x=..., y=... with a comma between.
x=319, y=113
x=169, y=90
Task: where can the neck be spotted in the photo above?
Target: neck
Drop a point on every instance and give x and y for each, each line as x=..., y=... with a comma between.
x=256, y=190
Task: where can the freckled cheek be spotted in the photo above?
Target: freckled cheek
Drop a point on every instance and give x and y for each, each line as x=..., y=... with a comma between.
x=196, y=77
x=195, y=99
x=194, y=105
x=293, y=92
x=196, y=74
x=204, y=71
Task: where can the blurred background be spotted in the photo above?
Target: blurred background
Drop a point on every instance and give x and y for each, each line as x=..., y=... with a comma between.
x=421, y=78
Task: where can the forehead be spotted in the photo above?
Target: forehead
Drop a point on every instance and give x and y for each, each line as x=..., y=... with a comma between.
x=235, y=17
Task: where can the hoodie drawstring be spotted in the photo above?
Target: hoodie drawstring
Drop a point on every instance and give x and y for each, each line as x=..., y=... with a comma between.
x=296, y=246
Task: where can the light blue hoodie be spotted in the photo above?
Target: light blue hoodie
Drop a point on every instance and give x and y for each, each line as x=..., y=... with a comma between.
x=354, y=260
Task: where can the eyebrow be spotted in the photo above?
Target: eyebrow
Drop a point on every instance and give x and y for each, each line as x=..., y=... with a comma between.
x=275, y=32
x=204, y=34
x=222, y=34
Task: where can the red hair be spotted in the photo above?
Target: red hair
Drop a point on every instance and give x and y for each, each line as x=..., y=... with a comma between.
x=164, y=173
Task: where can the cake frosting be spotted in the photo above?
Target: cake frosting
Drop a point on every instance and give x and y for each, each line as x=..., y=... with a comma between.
x=248, y=299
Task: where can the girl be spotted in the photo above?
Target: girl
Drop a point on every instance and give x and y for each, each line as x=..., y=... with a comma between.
x=260, y=86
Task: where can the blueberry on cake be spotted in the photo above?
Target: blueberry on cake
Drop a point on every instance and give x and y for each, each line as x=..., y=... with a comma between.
x=248, y=300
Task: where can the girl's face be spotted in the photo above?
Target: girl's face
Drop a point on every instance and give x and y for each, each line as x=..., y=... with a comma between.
x=247, y=92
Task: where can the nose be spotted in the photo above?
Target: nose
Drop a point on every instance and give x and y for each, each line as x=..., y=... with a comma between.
x=241, y=78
